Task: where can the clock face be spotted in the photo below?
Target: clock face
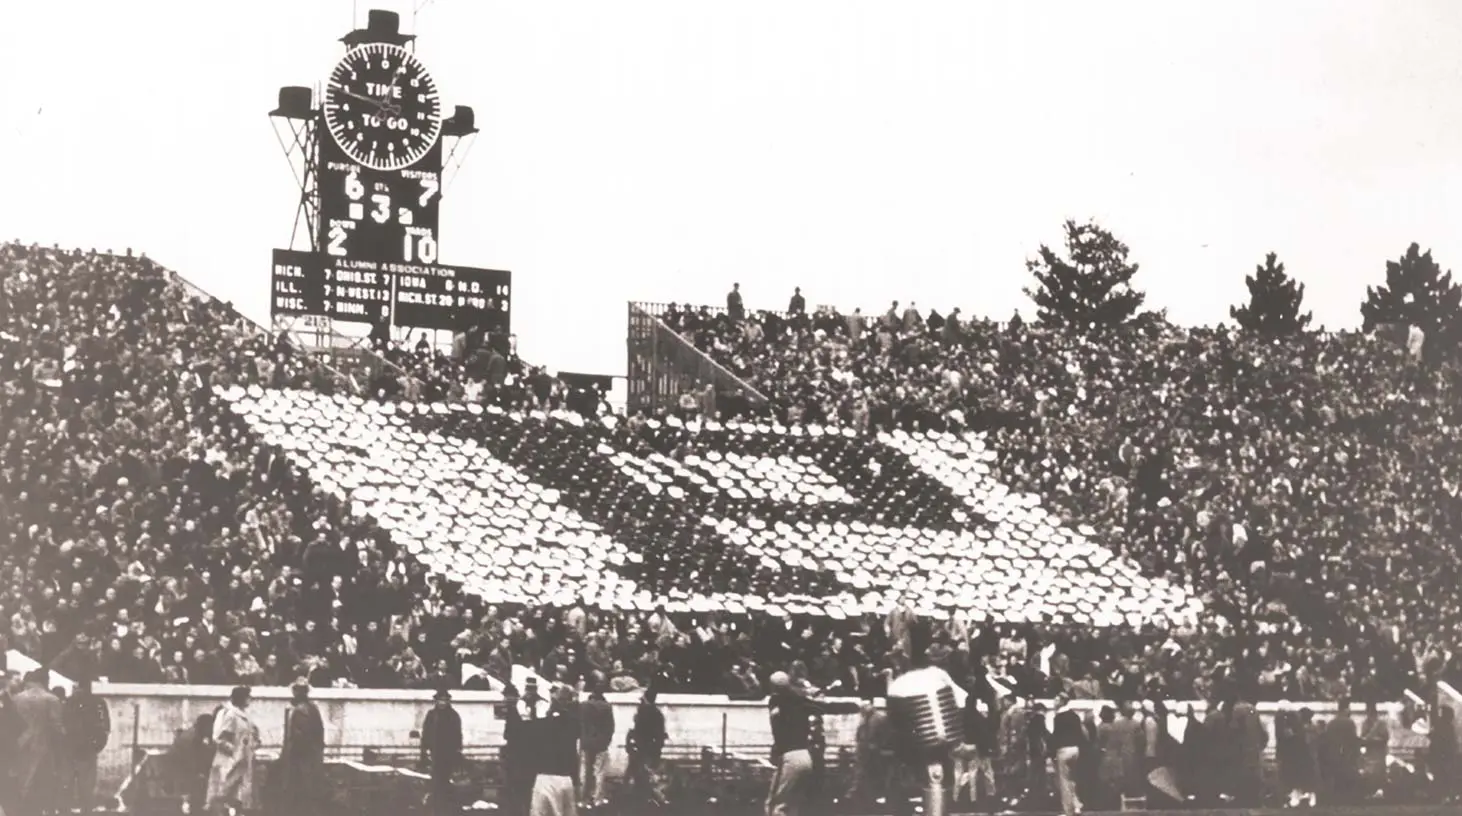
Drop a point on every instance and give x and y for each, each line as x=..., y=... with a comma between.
x=382, y=107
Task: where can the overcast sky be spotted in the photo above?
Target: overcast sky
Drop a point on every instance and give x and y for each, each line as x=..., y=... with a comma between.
x=867, y=151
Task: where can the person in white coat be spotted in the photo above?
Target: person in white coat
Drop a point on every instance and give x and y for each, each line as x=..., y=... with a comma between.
x=235, y=738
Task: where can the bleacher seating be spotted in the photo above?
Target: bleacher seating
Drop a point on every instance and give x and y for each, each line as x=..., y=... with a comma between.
x=207, y=503
x=548, y=509
x=1306, y=487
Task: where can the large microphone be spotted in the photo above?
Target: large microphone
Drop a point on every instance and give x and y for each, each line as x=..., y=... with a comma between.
x=924, y=704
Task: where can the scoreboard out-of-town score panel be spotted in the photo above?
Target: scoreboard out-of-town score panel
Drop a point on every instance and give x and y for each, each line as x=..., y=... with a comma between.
x=451, y=297
x=428, y=296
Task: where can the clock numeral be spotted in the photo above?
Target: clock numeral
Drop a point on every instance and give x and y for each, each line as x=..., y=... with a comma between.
x=424, y=247
x=353, y=188
x=382, y=213
x=429, y=187
x=337, y=239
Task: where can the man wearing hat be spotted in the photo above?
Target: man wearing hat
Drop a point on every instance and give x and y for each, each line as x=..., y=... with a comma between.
x=235, y=737
x=302, y=757
x=645, y=743
x=873, y=759
x=515, y=757
x=39, y=750
x=88, y=726
x=1066, y=744
x=441, y=748
x=595, y=735
x=532, y=706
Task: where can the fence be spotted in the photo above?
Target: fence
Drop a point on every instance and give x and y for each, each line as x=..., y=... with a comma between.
x=663, y=365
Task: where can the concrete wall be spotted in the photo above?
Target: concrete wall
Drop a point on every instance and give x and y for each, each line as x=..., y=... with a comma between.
x=149, y=716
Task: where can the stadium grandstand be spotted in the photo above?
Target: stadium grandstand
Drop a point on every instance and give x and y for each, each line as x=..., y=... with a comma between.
x=1156, y=514
x=365, y=558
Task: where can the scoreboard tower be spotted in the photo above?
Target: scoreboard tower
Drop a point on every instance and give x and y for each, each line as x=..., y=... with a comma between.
x=366, y=242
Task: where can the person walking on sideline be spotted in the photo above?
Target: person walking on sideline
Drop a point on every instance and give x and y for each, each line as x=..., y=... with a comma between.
x=302, y=758
x=88, y=726
x=597, y=732
x=39, y=753
x=441, y=748
x=873, y=761
x=235, y=738
x=1068, y=737
x=791, y=748
x=645, y=744
x=555, y=741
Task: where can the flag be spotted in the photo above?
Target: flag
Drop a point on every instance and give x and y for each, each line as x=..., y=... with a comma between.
x=17, y=662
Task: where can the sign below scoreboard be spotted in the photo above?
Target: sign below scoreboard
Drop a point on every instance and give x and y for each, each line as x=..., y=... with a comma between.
x=422, y=296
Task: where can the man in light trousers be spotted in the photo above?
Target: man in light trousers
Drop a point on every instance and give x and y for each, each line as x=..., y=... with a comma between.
x=791, y=748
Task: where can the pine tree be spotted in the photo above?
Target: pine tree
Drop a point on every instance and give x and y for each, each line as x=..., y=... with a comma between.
x=1417, y=293
x=1274, y=301
x=1091, y=288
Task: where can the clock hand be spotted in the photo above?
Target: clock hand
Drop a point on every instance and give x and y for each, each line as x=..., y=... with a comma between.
x=386, y=105
x=362, y=97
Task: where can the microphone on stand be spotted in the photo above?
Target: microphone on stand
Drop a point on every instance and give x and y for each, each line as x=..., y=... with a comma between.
x=924, y=705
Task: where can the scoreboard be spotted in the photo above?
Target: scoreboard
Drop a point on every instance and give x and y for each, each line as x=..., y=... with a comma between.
x=371, y=193
x=377, y=214
x=377, y=254
x=426, y=296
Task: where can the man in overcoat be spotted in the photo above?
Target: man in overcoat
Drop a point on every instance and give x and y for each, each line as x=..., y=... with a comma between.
x=441, y=748
x=302, y=757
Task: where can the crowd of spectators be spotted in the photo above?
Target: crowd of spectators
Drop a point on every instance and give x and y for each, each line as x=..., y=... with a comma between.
x=478, y=367
x=1303, y=487
x=1307, y=486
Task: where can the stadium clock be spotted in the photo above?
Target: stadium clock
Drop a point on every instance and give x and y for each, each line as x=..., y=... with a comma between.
x=382, y=107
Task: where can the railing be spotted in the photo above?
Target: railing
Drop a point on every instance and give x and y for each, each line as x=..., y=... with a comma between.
x=663, y=365
x=659, y=309
x=712, y=738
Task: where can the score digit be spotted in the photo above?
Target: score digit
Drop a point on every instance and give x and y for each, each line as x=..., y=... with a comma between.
x=429, y=187
x=424, y=247
x=338, y=235
x=353, y=188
